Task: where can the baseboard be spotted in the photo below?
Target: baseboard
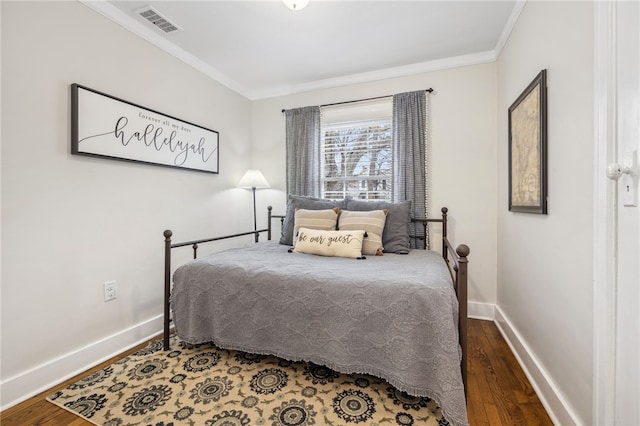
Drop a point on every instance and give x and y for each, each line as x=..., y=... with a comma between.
x=551, y=398
x=45, y=376
x=482, y=311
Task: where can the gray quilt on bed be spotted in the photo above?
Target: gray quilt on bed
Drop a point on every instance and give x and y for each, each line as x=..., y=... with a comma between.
x=392, y=316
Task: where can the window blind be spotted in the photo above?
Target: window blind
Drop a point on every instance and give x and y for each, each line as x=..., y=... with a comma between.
x=356, y=150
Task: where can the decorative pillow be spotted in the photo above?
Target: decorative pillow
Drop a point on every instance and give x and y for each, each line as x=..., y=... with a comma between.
x=301, y=202
x=372, y=222
x=326, y=220
x=330, y=243
x=395, y=237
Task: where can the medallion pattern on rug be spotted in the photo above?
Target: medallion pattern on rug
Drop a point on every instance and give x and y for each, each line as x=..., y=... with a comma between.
x=204, y=385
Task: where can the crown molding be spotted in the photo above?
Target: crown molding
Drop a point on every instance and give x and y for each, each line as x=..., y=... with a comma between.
x=384, y=74
x=509, y=26
x=116, y=15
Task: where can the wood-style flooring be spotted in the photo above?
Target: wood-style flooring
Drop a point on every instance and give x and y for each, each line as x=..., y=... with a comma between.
x=498, y=391
x=498, y=394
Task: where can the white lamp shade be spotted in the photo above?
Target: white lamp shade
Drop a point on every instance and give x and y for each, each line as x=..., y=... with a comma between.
x=253, y=179
x=296, y=4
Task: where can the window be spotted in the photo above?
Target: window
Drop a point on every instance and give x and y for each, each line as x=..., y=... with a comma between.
x=356, y=150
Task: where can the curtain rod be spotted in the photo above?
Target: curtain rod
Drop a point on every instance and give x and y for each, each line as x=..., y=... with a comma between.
x=362, y=100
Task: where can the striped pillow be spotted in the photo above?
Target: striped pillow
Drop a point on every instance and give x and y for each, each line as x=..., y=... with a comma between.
x=372, y=222
x=325, y=220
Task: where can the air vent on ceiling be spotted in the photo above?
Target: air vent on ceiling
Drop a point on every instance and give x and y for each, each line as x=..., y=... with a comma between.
x=148, y=13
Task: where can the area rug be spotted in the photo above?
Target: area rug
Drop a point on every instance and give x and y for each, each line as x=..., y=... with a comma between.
x=204, y=385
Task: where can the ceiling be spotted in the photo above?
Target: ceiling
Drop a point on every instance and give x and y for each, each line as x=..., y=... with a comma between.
x=262, y=49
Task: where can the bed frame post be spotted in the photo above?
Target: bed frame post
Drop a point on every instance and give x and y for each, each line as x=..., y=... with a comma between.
x=461, y=277
x=167, y=285
x=269, y=208
x=445, y=252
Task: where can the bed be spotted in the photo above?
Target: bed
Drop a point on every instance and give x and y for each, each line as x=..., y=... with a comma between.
x=401, y=317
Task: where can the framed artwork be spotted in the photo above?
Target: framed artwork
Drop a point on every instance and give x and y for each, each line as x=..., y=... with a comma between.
x=108, y=127
x=528, y=149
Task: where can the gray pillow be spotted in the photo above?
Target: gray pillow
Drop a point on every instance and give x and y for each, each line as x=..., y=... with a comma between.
x=301, y=202
x=395, y=236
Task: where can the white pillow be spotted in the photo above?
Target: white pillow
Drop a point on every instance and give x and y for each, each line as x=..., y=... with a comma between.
x=330, y=243
x=315, y=219
x=370, y=221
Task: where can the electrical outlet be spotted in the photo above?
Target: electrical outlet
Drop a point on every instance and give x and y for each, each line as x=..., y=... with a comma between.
x=110, y=291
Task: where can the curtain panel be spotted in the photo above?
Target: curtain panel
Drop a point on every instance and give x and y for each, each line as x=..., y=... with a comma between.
x=303, y=151
x=410, y=157
x=409, y=123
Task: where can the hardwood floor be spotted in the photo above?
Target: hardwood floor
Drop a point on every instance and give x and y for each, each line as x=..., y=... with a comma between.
x=499, y=392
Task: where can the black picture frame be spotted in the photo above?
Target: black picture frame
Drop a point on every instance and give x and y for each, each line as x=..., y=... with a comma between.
x=528, y=148
x=108, y=127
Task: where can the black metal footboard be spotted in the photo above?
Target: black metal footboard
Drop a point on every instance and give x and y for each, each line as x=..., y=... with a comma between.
x=457, y=261
x=194, y=245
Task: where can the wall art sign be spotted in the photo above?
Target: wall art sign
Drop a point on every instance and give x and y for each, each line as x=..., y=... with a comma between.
x=105, y=126
x=528, y=149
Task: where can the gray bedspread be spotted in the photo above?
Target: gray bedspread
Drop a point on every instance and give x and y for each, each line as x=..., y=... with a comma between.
x=392, y=316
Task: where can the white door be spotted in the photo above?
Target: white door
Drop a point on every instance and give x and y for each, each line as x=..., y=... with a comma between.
x=616, y=296
x=627, y=387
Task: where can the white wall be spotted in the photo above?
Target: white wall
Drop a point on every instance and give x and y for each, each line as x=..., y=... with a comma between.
x=545, y=262
x=71, y=223
x=463, y=156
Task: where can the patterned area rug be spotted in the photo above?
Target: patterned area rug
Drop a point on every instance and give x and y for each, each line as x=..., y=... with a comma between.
x=204, y=385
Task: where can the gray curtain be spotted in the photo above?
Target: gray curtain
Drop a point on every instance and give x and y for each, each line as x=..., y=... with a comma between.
x=303, y=151
x=410, y=144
